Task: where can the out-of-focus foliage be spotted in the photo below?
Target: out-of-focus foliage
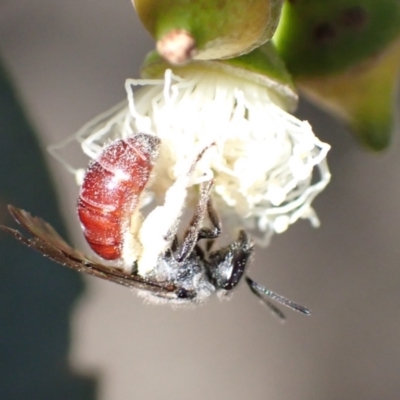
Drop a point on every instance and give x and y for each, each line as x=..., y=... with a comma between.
x=345, y=54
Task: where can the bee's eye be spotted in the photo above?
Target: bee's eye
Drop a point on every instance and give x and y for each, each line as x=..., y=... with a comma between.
x=183, y=294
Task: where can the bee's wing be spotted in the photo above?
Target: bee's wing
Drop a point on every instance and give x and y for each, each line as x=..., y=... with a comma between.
x=48, y=242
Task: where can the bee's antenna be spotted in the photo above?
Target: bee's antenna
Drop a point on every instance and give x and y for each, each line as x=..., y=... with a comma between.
x=261, y=292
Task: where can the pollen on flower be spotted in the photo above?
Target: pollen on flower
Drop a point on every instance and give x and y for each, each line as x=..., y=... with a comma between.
x=267, y=165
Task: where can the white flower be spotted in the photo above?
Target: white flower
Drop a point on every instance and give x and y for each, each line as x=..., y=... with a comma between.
x=267, y=165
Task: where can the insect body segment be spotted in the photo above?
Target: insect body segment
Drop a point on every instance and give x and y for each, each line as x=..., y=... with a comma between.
x=111, y=191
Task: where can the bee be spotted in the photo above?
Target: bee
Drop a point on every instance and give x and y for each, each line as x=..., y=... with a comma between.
x=183, y=271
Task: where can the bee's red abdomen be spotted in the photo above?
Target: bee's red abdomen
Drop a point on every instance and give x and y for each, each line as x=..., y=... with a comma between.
x=111, y=191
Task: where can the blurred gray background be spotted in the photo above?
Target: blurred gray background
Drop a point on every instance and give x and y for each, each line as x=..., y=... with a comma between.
x=69, y=60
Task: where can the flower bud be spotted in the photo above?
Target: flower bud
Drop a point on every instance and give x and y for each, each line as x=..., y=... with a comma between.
x=208, y=29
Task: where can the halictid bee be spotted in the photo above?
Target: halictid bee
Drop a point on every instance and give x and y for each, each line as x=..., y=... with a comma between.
x=179, y=271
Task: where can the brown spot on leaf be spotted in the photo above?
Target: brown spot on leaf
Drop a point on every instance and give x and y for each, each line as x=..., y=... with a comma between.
x=324, y=33
x=354, y=18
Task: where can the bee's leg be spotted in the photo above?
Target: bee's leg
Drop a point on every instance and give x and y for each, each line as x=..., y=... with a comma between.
x=196, y=231
x=215, y=231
